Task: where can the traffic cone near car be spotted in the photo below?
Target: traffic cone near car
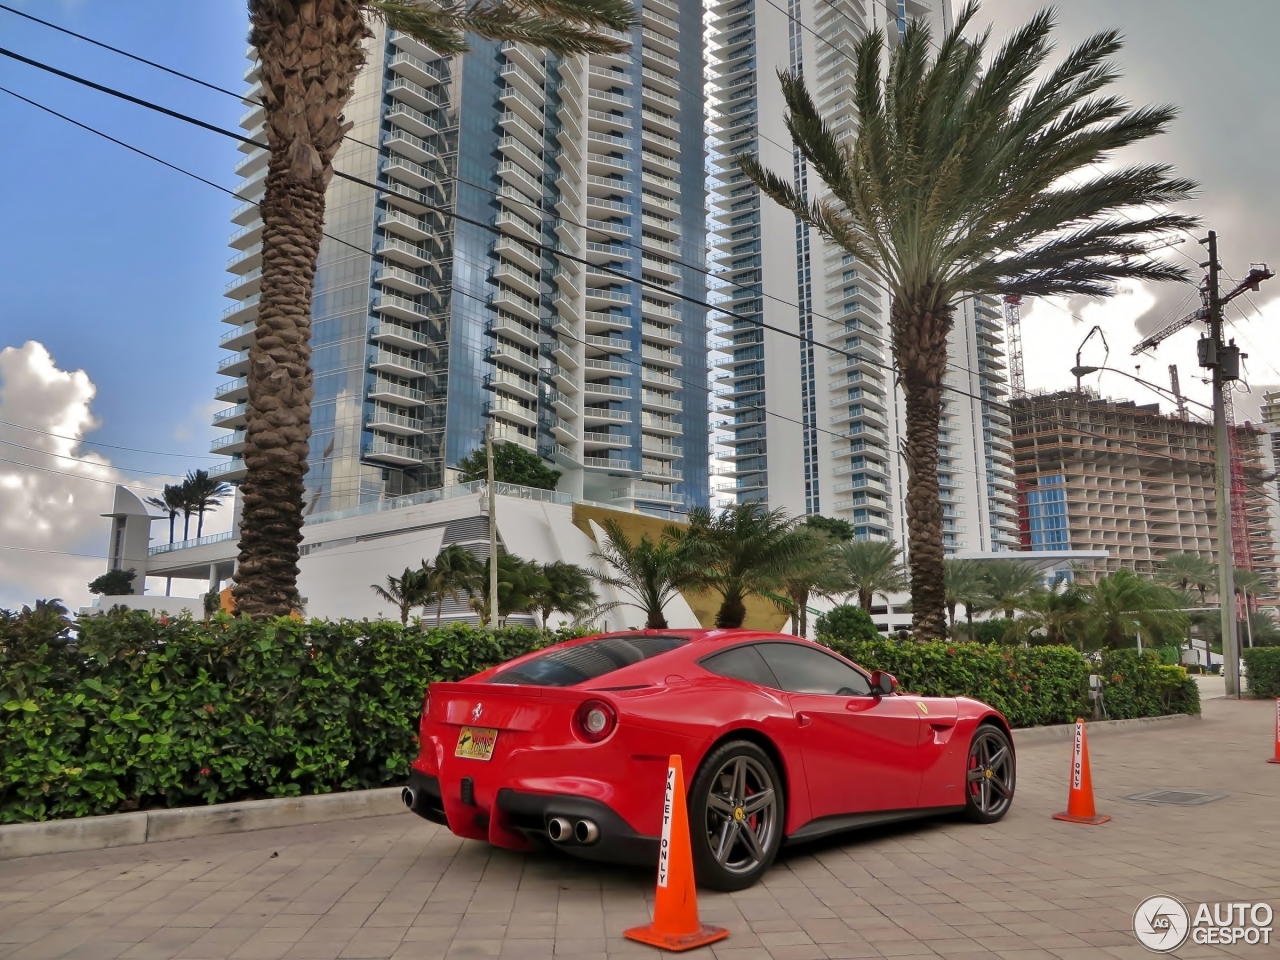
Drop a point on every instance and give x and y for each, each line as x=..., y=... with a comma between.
x=1080, y=808
x=675, y=924
x=1276, y=758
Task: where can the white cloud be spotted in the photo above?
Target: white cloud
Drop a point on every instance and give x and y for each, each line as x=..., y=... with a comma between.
x=41, y=510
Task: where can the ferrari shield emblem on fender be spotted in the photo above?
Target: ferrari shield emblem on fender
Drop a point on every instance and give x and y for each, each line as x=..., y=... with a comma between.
x=924, y=707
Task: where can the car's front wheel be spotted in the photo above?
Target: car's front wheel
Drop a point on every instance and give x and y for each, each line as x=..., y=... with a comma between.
x=736, y=815
x=990, y=775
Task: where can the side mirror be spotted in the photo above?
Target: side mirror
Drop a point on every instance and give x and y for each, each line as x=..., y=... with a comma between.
x=883, y=683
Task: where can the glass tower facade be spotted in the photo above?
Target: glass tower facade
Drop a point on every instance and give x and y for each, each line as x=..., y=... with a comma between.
x=560, y=304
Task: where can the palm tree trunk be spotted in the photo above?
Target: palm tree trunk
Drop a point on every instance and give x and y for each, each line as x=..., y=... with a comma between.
x=186, y=526
x=920, y=348
x=200, y=523
x=173, y=515
x=864, y=600
x=968, y=619
x=439, y=607
x=310, y=52
x=732, y=612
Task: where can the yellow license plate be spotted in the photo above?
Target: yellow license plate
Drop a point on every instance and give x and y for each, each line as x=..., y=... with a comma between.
x=476, y=743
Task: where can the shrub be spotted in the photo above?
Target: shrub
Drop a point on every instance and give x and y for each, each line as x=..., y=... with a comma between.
x=995, y=630
x=846, y=622
x=114, y=583
x=1031, y=686
x=142, y=712
x=1263, y=665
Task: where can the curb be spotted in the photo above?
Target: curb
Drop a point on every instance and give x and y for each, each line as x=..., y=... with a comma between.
x=1029, y=736
x=182, y=823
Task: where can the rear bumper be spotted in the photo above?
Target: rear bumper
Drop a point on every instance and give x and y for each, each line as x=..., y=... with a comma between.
x=529, y=813
x=519, y=819
x=422, y=796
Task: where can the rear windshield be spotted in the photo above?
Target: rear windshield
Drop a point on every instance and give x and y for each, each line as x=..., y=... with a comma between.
x=586, y=661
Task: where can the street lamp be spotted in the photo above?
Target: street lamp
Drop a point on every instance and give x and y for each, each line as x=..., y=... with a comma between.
x=1080, y=370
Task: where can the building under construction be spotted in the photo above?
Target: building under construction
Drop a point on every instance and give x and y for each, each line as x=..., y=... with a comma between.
x=1096, y=474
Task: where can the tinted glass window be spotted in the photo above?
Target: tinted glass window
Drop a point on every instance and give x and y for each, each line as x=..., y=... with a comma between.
x=802, y=669
x=741, y=663
x=586, y=661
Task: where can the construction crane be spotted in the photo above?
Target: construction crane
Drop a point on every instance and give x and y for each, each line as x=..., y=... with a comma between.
x=1013, y=340
x=1176, y=389
x=1154, y=339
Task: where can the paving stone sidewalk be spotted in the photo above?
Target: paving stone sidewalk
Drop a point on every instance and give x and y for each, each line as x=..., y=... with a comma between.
x=398, y=887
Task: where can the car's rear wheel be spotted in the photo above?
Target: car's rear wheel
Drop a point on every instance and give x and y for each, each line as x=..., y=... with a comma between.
x=736, y=816
x=991, y=775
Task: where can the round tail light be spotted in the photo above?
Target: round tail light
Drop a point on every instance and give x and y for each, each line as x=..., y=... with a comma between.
x=594, y=721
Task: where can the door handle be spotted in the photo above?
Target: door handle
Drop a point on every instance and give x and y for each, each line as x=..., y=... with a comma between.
x=803, y=719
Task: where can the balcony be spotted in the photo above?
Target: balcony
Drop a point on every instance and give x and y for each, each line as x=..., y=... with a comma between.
x=241, y=338
x=599, y=439
x=402, y=307
x=402, y=366
x=397, y=393
x=233, y=391
x=512, y=383
x=231, y=416
x=397, y=335
x=230, y=472
x=236, y=365
x=231, y=443
x=608, y=463
x=414, y=94
x=395, y=423
x=386, y=451
x=407, y=171
x=419, y=71
x=605, y=415
x=506, y=408
x=404, y=280
x=415, y=121
x=403, y=251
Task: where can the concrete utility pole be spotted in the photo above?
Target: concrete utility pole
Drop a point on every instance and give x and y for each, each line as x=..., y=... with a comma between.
x=493, y=530
x=1224, y=361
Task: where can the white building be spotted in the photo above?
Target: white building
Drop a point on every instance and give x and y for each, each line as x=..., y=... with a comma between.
x=426, y=327
x=803, y=427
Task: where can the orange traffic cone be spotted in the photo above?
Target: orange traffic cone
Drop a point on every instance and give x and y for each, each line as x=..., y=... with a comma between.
x=1080, y=807
x=1276, y=758
x=675, y=909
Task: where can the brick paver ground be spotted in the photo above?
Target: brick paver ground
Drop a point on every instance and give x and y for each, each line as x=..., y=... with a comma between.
x=398, y=887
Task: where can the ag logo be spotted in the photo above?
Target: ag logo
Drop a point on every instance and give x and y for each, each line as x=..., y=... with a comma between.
x=1161, y=924
x=475, y=714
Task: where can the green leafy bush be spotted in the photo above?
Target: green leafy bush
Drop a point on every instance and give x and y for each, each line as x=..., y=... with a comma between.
x=846, y=622
x=1031, y=686
x=137, y=712
x=1263, y=666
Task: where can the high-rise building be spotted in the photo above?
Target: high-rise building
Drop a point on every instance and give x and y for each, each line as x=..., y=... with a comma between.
x=804, y=427
x=1097, y=474
x=426, y=326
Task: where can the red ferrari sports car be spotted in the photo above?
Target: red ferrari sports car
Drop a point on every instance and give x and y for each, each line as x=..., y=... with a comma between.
x=783, y=741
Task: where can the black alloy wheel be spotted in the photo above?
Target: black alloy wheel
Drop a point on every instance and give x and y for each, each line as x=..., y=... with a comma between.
x=736, y=816
x=990, y=775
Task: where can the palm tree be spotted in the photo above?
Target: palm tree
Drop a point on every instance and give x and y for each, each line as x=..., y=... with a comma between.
x=815, y=573
x=203, y=493
x=310, y=53
x=565, y=588
x=1054, y=616
x=742, y=551
x=650, y=572
x=969, y=178
x=964, y=585
x=453, y=573
x=519, y=583
x=1008, y=583
x=1121, y=605
x=1188, y=571
x=406, y=591
x=171, y=503
x=871, y=567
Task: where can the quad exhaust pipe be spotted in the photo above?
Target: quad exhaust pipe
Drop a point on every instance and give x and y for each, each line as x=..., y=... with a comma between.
x=561, y=830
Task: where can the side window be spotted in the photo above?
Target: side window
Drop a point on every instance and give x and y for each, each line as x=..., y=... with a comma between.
x=741, y=663
x=802, y=669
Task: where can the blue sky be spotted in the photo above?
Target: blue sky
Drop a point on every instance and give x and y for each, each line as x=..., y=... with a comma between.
x=113, y=262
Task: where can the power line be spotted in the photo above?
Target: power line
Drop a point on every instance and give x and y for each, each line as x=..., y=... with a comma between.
x=445, y=211
x=92, y=463
x=99, y=443
x=81, y=476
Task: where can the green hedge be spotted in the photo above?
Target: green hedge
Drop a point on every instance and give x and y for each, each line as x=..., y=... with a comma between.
x=1263, y=666
x=138, y=712
x=1031, y=686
